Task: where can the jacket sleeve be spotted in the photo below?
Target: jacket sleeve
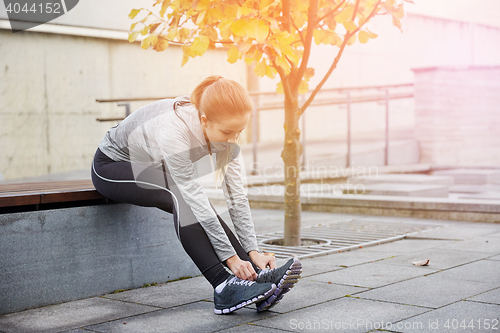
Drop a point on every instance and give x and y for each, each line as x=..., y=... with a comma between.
x=238, y=205
x=175, y=150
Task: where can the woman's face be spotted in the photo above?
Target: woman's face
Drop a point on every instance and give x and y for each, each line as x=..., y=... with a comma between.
x=224, y=131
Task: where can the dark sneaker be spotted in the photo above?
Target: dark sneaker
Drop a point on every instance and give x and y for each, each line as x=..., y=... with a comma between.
x=283, y=277
x=235, y=293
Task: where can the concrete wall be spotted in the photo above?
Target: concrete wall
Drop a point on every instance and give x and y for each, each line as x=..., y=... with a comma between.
x=49, y=84
x=458, y=115
x=55, y=256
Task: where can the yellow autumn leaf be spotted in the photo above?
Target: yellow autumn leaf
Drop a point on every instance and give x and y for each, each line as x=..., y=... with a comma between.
x=318, y=36
x=371, y=34
x=148, y=41
x=133, y=36
x=344, y=15
x=400, y=12
x=243, y=11
x=309, y=73
x=352, y=40
x=225, y=25
x=233, y=54
x=144, y=30
x=303, y=87
x=202, y=5
x=201, y=17
x=396, y=22
x=363, y=37
x=164, y=7
x=214, y=14
x=132, y=27
x=133, y=13
x=261, y=68
x=257, y=29
x=283, y=63
x=350, y=26
x=230, y=11
x=270, y=72
x=185, y=54
x=161, y=44
x=239, y=28
x=200, y=45
x=185, y=58
x=279, y=88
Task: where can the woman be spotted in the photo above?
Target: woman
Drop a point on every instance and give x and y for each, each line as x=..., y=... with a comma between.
x=147, y=160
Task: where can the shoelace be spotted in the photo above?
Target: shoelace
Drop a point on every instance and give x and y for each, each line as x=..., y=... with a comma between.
x=241, y=282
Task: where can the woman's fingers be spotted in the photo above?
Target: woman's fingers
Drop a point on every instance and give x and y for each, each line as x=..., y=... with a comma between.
x=272, y=262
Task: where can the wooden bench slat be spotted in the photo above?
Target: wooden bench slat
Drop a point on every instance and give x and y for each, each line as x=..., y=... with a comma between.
x=47, y=192
x=19, y=200
x=70, y=196
x=46, y=185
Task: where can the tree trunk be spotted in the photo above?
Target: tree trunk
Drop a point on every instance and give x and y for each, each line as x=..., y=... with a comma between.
x=291, y=158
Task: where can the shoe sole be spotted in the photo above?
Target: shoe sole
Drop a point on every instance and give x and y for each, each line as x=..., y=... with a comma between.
x=256, y=299
x=287, y=282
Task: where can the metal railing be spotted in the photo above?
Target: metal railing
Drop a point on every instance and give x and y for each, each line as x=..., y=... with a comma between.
x=348, y=96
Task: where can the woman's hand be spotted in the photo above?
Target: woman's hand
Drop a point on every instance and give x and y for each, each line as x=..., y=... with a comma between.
x=241, y=268
x=262, y=260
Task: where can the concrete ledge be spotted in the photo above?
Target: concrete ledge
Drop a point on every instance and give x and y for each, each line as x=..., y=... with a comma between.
x=54, y=256
x=431, y=208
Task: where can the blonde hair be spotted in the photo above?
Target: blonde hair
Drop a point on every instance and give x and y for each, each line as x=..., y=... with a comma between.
x=219, y=98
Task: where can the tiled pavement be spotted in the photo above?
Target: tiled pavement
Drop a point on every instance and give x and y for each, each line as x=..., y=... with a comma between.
x=369, y=289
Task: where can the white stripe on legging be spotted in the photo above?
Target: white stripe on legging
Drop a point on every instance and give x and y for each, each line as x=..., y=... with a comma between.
x=146, y=183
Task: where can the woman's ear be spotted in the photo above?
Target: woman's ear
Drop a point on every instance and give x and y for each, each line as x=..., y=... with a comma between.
x=203, y=119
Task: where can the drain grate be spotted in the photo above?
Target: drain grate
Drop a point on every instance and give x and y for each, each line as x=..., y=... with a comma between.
x=342, y=236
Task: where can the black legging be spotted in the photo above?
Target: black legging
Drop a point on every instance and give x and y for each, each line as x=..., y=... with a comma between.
x=192, y=236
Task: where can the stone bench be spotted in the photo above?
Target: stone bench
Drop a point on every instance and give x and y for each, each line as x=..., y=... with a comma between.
x=472, y=176
x=403, y=178
x=63, y=241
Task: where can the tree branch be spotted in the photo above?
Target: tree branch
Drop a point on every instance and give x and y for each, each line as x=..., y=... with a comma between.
x=285, y=12
x=284, y=79
x=330, y=12
x=311, y=17
x=355, y=10
x=300, y=32
x=335, y=62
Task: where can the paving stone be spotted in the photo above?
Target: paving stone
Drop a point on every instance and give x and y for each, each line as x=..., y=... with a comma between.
x=169, y=294
x=449, y=319
x=372, y=275
x=357, y=315
x=407, y=246
x=494, y=257
x=250, y=328
x=194, y=317
x=487, y=271
x=335, y=261
x=78, y=330
x=455, y=232
x=306, y=293
x=485, y=244
x=492, y=296
x=431, y=291
x=439, y=258
x=66, y=316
